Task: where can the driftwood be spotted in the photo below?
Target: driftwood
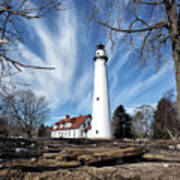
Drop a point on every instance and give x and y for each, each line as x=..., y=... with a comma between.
x=97, y=157
x=74, y=154
x=111, y=156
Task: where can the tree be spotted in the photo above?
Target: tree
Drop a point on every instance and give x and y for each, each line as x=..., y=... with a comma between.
x=166, y=124
x=12, y=16
x=121, y=123
x=155, y=23
x=142, y=120
x=43, y=131
x=25, y=111
x=3, y=126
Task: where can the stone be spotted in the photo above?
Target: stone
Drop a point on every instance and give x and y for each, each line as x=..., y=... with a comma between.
x=33, y=159
x=171, y=147
x=178, y=146
x=166, y=165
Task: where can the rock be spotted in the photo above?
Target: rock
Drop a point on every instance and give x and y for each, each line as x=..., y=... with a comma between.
x=115, y=143
x=20, y=150
x=63, y=151
x=178, y=146
x=171, y=147
x=46, y=148
x=32, y=145
x=33, y=159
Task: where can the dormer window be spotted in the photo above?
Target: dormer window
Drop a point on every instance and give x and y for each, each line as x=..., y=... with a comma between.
x=68, y=125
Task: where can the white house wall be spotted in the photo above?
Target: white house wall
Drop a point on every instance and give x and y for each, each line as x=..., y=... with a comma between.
x=72, y=133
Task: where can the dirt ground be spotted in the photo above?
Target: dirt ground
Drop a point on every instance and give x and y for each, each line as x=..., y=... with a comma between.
x=89, y=160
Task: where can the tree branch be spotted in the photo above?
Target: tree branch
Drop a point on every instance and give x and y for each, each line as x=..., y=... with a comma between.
x=148, y=3
x=17, y=64
x=144, y=42
x=155, y=26
x=4, y=26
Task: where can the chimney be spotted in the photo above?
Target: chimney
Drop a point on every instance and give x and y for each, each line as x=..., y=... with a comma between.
x=67, y=116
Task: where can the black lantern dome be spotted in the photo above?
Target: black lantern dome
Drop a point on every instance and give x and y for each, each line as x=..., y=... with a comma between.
x=100, y=53
x=100, y=46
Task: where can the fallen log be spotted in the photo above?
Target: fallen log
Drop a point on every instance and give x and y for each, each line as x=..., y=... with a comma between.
x=111, y=156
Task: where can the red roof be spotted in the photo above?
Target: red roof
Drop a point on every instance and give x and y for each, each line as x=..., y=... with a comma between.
x=76, y=122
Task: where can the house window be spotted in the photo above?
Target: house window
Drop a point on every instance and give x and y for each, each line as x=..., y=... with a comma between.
x=97, y=99
x=67, y=125
x=97, y=131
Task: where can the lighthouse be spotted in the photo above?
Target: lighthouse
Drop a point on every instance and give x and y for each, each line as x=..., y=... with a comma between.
x=101, y=120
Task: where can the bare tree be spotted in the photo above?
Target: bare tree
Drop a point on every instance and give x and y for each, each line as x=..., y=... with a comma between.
x=12, y=14
x=155, y=22
x=24, y=110
x=142, y=121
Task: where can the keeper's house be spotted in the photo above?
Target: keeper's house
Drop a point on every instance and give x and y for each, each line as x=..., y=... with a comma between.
x=72, y=127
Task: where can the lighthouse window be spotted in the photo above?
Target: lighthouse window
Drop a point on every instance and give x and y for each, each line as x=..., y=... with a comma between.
x=97, y=53
x=97, y=98
x=97, y=131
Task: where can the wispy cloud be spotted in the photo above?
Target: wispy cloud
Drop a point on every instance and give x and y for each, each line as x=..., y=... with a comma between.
x=68, y=46
x=60, y=51
x=63, y=87
x=139, y=86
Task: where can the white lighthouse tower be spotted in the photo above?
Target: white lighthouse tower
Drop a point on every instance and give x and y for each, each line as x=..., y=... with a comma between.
x=101, y=121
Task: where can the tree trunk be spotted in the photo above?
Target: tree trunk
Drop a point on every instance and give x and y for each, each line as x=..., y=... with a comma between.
x=176, y=54
x=173, y=31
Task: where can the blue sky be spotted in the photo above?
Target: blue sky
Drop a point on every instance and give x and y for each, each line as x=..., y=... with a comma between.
x=68, y=42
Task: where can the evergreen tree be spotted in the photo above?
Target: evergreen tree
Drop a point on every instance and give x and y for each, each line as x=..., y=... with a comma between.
x=121, y=123
x=43, y=131
x=166, y=124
